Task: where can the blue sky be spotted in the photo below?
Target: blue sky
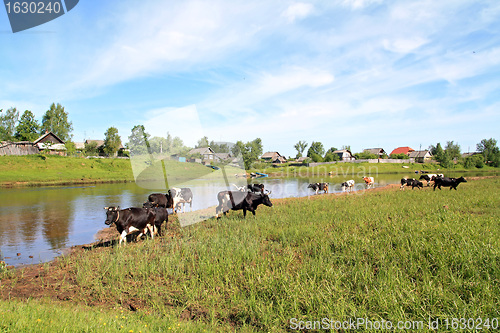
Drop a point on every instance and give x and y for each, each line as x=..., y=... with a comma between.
x=364, y=73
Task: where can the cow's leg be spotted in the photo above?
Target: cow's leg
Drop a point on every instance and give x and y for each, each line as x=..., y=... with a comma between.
x=244, y=212
x=151, y=229
x=123, y=237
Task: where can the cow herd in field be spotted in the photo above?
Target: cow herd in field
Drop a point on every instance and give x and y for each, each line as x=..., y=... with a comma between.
x=154, y=212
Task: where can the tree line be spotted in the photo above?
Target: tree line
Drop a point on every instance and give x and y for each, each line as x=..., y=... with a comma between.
x=488, y=154
x=55, y=119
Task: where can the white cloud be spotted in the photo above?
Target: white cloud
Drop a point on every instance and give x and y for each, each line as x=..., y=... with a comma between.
x=298, y=11
x=404, y=45
x=359, y=4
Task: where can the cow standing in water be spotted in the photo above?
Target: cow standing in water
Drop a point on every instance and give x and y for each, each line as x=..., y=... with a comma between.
x=348, y=185
x=319, y=187
x=369, y=181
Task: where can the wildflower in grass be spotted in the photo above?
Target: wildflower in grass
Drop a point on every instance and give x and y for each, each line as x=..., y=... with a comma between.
x=38, y=320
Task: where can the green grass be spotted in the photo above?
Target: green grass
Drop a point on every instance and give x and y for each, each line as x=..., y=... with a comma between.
x=53, y=170
x=363, y=168
x=390, y=254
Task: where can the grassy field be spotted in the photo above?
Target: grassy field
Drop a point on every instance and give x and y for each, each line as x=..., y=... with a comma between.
x=382, y=254
x=364, y=168
x=55, y=170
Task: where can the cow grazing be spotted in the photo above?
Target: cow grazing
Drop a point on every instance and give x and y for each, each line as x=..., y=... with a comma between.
x=452, y=183
x=369, y=181
x=319, y=187
x=348, y=185
x=429, y=177
x=236, y=200
x=130, y=220
x=180, y=197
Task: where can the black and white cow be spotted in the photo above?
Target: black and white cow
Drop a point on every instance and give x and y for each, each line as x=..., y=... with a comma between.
x=429, y=177
x=347, y=185
x=448, y=182
x=161, y=216
x=404, y=182
x=159, y=200
x=237, y=200
x=319, y=187
x=256, y=188
x=180, y=197
x=131, y=219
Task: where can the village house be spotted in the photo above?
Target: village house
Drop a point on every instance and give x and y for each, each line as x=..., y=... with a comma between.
x=375, y=151
x=344, y=155
x=273, y=157
x=51, y=144
x=402, y=150
x=421, y=156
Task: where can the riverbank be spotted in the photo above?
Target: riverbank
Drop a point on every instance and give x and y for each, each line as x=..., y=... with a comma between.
x=380, y=254
x=42, y=170
x=362, y=169
x=47, y=170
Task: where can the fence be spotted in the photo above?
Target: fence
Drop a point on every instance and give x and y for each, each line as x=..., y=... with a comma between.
x=386, y=160
x=18, y=148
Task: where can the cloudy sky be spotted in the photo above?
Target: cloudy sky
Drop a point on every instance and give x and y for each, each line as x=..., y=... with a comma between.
x=364, y=73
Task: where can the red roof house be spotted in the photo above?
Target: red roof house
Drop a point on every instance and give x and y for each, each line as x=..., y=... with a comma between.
x=402, y=150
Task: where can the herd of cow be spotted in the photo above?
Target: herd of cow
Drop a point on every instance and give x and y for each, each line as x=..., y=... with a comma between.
x=438, y=180
x=154, y=212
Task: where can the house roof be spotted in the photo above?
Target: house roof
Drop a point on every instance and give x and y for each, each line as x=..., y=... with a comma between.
x=375, y=151
x=470, y=154
x=420, y=153
x=223, y=156
x=98, y=142
x=402, y=150
x=270, y=154
x=203, y=150
x=342, y=151
x=49, y=136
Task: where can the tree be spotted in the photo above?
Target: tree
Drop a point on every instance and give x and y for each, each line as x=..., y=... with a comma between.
x=159, y=145
x=139, y=141
x=28, y=128
x=220, y=147
x=490, y=151
x=316, y=148
x=8, y=124
x=91, y=149
x=55, y=120
x=401, y=156
x=112, y=141
x=300, y=147
x=202, y=143
x=453, y=150
x=249, y=151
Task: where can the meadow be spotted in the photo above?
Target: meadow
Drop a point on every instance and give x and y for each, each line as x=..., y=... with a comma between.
x=383, y=254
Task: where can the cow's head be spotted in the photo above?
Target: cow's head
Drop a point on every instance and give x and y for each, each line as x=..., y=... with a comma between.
x=311, y=186
x=111, y=215
x=461, y=180
x=147, y=204
x=266, y=201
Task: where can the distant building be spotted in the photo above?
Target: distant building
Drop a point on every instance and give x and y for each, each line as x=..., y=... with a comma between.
x=272, y=156
x=421, y=156
x=375, y=151
x=51, y=144
x=344, y=155
x=209, y=155
x=402, y=150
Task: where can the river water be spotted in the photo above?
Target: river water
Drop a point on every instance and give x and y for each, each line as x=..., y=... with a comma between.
x=39, y=223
